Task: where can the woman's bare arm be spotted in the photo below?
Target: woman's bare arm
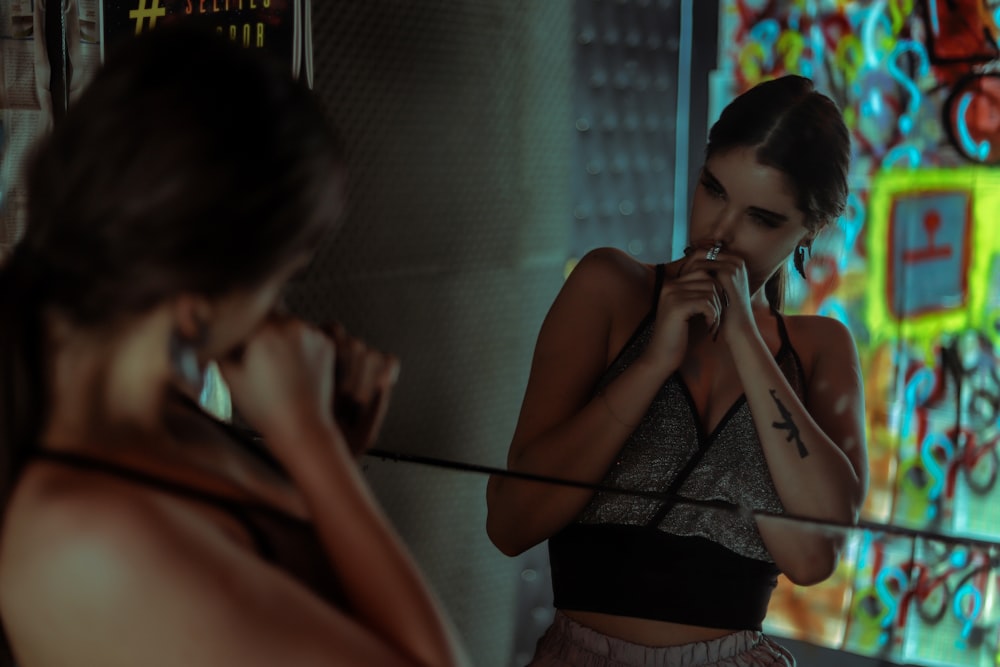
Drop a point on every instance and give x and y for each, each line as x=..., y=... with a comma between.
x=284, y=385
x=385, y=586
x=815, y=451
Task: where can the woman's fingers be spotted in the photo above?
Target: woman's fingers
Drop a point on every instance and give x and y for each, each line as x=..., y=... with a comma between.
x=382, y=386
x=691, y=302
x=365, y=378
x=359, y=367
x=729, y=275
x=282, y=375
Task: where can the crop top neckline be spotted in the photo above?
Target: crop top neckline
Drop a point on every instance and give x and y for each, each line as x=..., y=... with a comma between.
x=784, y=348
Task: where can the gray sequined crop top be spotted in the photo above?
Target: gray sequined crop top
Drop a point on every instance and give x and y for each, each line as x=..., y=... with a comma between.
x=636, y=556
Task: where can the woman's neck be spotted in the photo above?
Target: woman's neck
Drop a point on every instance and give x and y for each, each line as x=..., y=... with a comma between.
x=107, y=385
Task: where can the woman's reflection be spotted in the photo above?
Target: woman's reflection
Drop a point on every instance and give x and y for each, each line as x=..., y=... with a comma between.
x=685, y=378
x=167, y=212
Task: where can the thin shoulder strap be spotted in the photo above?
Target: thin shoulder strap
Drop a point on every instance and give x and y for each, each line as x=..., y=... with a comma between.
x=248, y=440
x=646, y=320
x=782, y=331
x=788, y=348
x=661, y=270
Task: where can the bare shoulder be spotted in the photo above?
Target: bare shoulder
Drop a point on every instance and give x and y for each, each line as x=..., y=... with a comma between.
x=611, y=265
x=80, y=558
x=123, y=578
x=61, y=527
x=613, y=276
x=819, y=339
x=808, y=325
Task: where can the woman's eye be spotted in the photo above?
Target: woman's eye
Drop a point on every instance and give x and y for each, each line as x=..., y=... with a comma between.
x=713, y=189
x=763, y=220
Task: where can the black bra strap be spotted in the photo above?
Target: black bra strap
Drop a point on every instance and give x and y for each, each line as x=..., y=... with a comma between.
x=260, y=542
x=660, y=272
x=691, y=464
x=782, y=331
x=245, y=438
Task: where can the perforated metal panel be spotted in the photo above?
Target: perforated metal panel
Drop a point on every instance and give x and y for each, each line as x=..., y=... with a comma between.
x=457, y=118
x=625, y=104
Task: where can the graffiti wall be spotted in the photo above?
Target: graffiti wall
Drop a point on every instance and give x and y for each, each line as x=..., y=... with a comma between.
x=913, y=268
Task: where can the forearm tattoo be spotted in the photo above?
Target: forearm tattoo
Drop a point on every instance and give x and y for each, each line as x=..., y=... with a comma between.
x=789, y=425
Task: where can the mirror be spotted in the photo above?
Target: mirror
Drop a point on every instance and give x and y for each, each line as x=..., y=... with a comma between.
x=493, y=144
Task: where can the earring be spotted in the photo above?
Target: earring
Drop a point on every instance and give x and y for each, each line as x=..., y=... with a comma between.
x=184, y=359
x=800, y=259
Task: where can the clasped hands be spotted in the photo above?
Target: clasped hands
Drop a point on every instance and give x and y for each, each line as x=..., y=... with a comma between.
x=706, y=283
x=723, y=273
x=291, y=376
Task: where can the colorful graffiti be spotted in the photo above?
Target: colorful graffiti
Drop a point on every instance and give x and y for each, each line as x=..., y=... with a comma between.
x=923, y=602
x=913, y=268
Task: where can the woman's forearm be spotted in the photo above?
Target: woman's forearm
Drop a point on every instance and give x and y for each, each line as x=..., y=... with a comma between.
x=813, y=476
x=381, y=580
x=582, y=448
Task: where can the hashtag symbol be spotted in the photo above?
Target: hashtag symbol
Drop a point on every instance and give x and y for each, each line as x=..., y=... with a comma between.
x=142, y=14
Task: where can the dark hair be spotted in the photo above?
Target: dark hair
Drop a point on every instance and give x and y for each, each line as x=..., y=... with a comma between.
x=187, y=165
x=799, y=132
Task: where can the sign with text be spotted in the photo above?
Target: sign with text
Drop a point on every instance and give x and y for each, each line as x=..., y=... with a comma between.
x=279, y=26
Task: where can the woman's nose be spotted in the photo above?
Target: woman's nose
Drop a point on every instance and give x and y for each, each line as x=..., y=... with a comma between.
x=725, y=226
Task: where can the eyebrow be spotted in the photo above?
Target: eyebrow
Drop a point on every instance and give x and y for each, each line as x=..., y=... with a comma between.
x=777, y=217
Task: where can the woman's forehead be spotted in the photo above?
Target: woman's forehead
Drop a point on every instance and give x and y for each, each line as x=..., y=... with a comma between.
x=740, y=168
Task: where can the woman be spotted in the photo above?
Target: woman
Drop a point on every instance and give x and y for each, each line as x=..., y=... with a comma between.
x=184, y=188
x=685, y=379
